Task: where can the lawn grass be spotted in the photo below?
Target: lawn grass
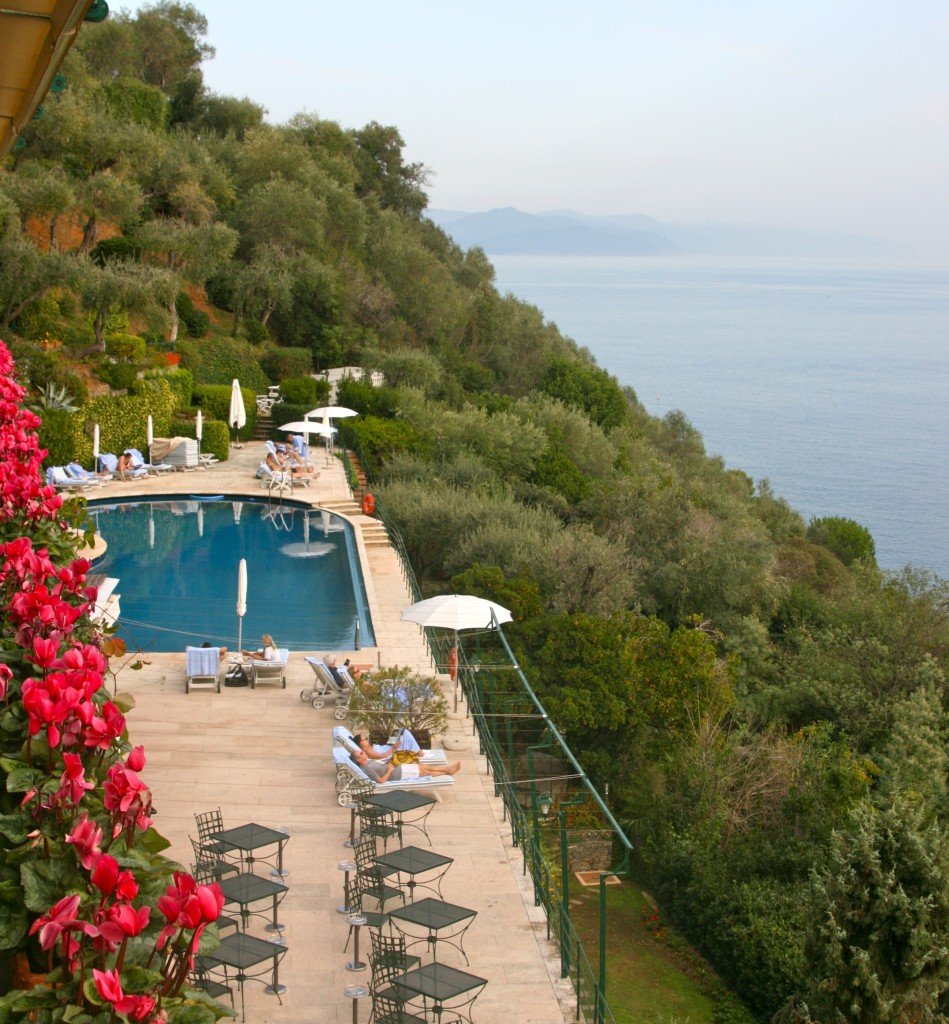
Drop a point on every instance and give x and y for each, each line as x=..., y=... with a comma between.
x=647, y=980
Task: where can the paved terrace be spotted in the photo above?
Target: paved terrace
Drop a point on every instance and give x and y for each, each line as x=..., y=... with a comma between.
x=263, y=755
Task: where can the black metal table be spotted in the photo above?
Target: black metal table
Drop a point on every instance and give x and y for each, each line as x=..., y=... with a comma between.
x=437, y=984
x=401, y=802
x=246, y=889
x=242, y=952
x=436, y=917
x=251, y=837
x=411, y=861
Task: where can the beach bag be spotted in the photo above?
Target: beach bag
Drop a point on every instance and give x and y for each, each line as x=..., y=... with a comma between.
x=401, y=757
x=236, y=676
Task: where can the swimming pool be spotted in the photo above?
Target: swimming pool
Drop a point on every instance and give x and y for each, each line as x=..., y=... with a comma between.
x=176, y=561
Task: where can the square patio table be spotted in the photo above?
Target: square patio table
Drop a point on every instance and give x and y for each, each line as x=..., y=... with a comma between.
x=247, y=888
x=401, y=802
x=244, y=951
x=438, y=983
x=251, y=837
x=435, y=916
x=412, y=861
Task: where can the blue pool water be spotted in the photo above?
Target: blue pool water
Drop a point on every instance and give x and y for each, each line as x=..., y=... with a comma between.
x=176, y=561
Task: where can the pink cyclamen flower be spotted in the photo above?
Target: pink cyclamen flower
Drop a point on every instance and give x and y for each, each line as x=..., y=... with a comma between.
x=72, y=783
x=86, y=836
x=61, y=916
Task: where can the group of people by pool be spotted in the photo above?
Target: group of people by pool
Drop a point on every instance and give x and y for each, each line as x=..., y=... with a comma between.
x=378, y=761
x=291, y=458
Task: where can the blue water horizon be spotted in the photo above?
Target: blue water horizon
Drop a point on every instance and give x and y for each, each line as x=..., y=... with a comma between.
x=828, y=378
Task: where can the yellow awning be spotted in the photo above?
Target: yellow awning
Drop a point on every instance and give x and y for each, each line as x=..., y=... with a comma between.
x=35, y=36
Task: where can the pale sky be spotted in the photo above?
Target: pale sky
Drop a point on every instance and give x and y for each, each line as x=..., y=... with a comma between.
x=825, y=114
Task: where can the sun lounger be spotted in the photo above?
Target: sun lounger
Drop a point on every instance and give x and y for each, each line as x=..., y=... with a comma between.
x=75, y=472
x=343, y=737
x=327, y=689
x=261, y=670
x=349, y=774
x=138, y=462
x=274, y=481
x=110, y=463
x=56, y=476
x=202, y=668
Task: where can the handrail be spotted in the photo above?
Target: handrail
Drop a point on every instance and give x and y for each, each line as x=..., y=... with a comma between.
x=591, y=1004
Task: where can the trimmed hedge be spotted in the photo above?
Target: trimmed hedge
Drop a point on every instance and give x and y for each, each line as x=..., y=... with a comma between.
x=281, y=363
x=215, y=402
x=180, y=381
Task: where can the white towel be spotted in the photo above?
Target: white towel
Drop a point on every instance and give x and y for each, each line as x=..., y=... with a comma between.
x=202, y=661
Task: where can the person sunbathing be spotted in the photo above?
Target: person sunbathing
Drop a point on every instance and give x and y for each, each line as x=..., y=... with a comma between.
x=380, y=752
x=399, y=773
x=268, y=652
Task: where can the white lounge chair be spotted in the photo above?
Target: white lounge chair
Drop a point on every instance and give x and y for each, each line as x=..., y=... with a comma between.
x=342, y=737
x=277, y=669
x=202, y=668
x=327, y=689
x=275, y=481
x=349, y=774
x=56, y=476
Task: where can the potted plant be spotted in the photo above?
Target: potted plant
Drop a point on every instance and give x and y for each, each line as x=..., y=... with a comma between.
x=400, y=698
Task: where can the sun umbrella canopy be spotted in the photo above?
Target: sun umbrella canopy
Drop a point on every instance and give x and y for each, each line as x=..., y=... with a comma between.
x=457, y=612
x=95, y=447
x=307, y=427
x=332, y=412
x=149, y=433
x=199, y=425
x=237, y=416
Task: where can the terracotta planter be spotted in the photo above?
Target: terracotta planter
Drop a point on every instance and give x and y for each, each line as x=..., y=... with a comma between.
x=21, y=975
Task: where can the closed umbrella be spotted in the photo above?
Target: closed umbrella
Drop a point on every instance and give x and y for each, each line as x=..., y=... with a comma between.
x=149, y=437
x=237, y=416
x=241, y=600
x=199, y=429
x=238, y=508
x=456, y=612
x=200, y=520
x=95, y=448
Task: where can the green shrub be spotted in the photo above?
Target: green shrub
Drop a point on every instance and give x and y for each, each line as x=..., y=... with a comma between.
x=197, y=323
x=380, y=440
x=127, y=348
x=847, y=539
x=55, y=435
x=279, y=363
x=366, y=399
x=256, y=332
x=78, y=335
x=39, y=320
x=215, y=402
x=221, y=360
x=119, y=376
x=215, y=439
x=181, y=383
x=117, y=249
x=300, y=391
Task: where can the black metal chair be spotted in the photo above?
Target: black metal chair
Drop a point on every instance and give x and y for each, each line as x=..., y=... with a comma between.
x=379, y=823
x=201, y=978
x=371, y=878
x=388, y=1009
x=374, y=919
x=208, y=824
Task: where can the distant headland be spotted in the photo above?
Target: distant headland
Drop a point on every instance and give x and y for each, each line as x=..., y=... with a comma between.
x=509, y=232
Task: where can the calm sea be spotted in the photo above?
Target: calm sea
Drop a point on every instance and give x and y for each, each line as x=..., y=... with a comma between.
x=829, y=379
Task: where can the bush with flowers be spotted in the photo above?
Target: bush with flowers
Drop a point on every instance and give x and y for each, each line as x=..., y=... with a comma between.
x=82, y=875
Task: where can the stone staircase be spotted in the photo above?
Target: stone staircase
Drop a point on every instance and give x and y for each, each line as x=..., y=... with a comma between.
x=374, y=533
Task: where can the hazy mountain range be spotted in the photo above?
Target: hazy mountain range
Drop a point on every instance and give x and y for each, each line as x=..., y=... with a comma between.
x=508, y=231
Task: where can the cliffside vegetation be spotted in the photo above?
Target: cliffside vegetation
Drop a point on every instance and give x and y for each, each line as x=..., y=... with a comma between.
x=768, y=706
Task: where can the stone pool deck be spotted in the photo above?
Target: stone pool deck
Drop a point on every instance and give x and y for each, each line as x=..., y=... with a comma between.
x=263, y=755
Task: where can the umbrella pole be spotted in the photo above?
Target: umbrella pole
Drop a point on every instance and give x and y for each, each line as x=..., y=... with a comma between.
x=455, y=680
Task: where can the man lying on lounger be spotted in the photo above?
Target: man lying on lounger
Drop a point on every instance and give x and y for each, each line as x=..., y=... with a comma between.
x=399, y=773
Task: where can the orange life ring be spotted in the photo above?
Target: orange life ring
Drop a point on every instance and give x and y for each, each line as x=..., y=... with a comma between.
x=368, y=504
x=453, y=663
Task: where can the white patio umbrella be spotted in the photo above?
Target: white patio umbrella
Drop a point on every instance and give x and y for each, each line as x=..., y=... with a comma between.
x=456, y=612
x=238, y=508
x=151, y=530
x=241, y=600
x=200, y=520
x=149, y=436
x=95, y=448
x=331, y=412
x=237, y=416
x=199, y=429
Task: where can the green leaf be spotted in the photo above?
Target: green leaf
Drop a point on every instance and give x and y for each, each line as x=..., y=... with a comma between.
x=45, y=882
x=13, y=917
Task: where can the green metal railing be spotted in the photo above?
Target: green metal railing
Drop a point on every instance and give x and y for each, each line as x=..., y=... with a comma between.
x=535, y=773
